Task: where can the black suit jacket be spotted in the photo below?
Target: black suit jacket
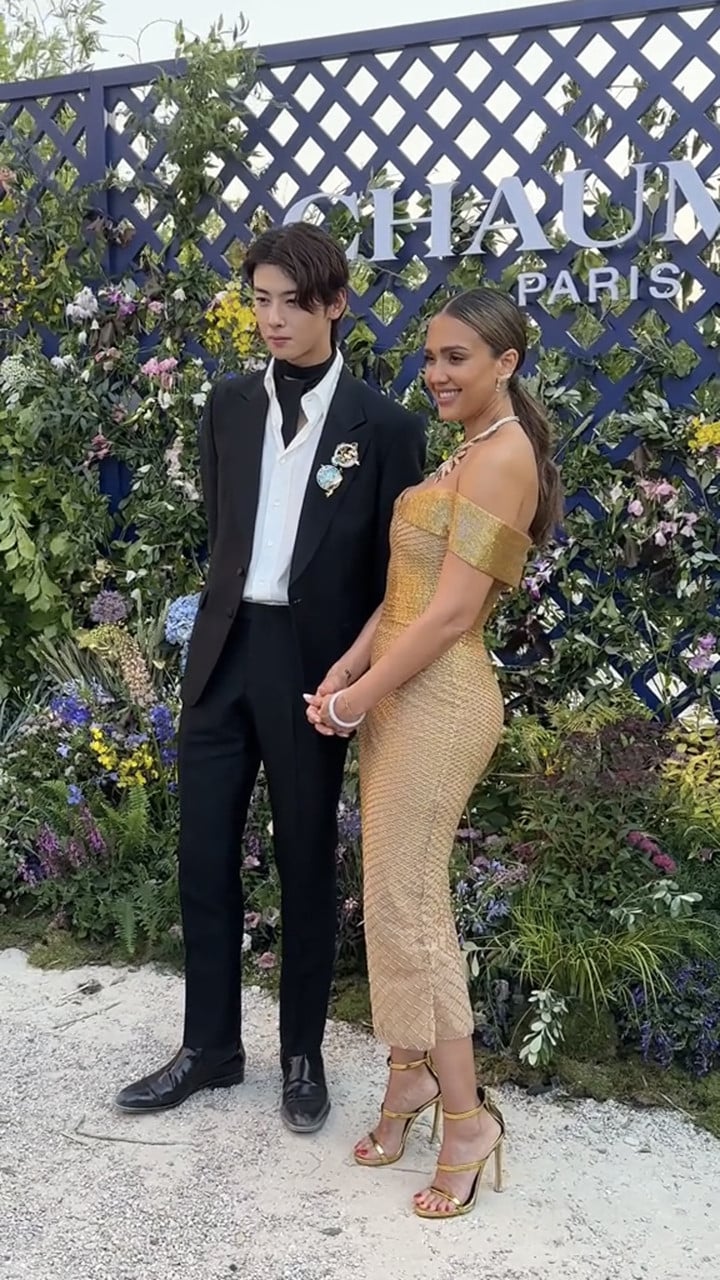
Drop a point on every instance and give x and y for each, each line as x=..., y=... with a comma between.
x=339, y=565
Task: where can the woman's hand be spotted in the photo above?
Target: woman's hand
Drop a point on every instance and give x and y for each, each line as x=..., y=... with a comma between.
x=316, y=713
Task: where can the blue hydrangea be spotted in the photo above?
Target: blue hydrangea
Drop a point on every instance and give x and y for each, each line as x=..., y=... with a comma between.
x=75, y=795
x=181, y=619
x=179, y=623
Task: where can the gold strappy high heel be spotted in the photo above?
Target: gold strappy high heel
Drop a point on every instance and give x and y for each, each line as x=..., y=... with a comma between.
x=474, y=1166
x=382, y=1158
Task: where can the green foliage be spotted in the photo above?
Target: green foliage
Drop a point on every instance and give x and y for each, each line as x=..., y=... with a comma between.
x=62, y=36
x=600, y=967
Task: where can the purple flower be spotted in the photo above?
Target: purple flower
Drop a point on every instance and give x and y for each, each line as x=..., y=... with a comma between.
x=75, y=852
x=348, y=824
x=163, y=725
x=48, y=852
x=109, y=607
x=92, y=834
x=63, y=750
x=31, y=871
x=72, y=712
x=75, y=795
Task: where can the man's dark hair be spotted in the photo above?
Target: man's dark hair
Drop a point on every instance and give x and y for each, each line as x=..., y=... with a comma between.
x=309, y=256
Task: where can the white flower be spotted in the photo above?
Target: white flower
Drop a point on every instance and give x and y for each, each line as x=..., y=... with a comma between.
x=82, y=338
x=199, y=399
x=173, y=462
x=16, y=375
x=246, y=942
x=61, y=363
x=180, y=295
x=83, y=306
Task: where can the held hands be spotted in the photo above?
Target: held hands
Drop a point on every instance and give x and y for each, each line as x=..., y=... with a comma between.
x=318, y=704
x=318, y=714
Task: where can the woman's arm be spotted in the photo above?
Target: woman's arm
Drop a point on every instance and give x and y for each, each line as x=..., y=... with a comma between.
x=459, y=597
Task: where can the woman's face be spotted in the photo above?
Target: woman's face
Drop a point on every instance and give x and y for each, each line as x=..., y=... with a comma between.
x=461, y=371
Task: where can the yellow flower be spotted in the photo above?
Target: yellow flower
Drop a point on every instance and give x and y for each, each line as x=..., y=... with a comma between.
x=229, y=319
x=105, y=752
x=703, y=435
x=138, y=769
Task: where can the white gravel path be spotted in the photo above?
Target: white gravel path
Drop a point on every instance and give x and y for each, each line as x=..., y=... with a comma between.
x=218, y=1188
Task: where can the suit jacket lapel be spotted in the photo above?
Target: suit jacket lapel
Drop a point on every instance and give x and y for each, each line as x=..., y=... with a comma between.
x=345, y=424
x=247, y=437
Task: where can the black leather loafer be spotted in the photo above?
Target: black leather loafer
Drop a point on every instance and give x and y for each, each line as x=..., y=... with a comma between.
x=188, y=1071
x=305, y=1101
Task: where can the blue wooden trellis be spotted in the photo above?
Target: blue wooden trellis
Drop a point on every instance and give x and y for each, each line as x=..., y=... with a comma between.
x=473, y=98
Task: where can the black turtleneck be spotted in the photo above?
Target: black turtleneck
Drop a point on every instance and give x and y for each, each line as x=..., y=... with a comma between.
x=292, y=382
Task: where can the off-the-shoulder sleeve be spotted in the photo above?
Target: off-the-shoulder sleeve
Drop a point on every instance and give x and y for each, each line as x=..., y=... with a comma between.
x=487, y=543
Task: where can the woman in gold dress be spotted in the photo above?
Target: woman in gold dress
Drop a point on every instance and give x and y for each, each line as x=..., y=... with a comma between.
x=425, y=692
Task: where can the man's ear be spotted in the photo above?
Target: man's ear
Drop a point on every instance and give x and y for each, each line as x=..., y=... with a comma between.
x=339, y=306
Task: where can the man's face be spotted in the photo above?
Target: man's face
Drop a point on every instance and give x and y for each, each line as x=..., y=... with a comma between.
x=302, y=337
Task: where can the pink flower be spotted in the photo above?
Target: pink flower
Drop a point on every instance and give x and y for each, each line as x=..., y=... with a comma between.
x=252, y=919
x=250, y=863
x=664, y=532
x=659, y=491
x=705, y=655
x=162, y=370
x=635, y=508
x=266, y=961
x=100, y=448
x=689, y=520
x=156, y=307
x=664, y=862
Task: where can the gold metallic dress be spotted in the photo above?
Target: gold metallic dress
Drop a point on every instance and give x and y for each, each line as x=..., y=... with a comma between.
x=422, y=752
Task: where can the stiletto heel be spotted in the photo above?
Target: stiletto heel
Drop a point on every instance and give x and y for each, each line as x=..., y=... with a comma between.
x=381, y=1157
x=498, y=1183
x=436, y=1121
x=473, y=1166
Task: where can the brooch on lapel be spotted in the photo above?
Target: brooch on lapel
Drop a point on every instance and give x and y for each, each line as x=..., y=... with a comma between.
x=330, y=475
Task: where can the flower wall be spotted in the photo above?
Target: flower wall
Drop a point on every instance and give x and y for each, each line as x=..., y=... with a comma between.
x=586, y=869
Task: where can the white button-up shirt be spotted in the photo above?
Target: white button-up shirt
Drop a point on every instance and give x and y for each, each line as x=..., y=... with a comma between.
x=284, y=477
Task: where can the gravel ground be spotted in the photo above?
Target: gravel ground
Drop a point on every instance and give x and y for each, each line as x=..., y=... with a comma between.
x=219, y=1189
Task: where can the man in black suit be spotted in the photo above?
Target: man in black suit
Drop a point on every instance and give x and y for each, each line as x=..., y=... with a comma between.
x=301, y=466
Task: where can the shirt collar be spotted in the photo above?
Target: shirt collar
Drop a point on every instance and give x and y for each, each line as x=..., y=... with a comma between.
x=321, y=395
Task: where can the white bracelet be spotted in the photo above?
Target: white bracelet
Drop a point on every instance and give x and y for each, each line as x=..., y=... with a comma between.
x=342, y=724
